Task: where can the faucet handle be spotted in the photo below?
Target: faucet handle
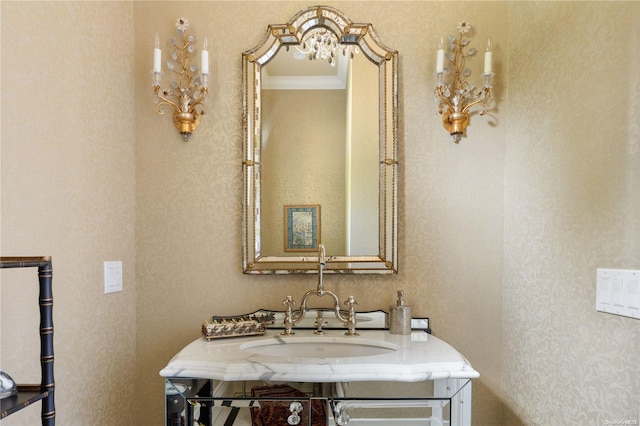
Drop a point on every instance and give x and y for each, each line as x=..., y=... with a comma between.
x=350, y=303
x=351, y=317
x=289, y=302
x=288, y=316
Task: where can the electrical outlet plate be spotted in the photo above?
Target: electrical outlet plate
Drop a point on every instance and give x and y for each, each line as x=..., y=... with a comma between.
x=618, y=292
x=112, y=277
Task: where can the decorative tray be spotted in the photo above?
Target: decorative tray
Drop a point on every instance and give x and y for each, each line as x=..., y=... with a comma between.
x=237, y=326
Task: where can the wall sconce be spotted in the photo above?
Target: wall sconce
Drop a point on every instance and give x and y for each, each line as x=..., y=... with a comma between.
x=454, y=95
x=189, y=88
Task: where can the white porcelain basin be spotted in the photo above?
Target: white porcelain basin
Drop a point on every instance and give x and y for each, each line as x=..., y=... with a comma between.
x=318, y=347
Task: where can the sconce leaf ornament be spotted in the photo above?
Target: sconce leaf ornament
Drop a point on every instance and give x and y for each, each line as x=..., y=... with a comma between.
x=454, y=95
x=189, y=87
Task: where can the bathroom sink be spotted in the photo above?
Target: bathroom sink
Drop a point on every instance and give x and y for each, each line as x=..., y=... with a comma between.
x=318, y=347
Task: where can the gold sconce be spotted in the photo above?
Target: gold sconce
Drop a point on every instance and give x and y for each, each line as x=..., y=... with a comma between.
x=188, y=90
x=454, y=95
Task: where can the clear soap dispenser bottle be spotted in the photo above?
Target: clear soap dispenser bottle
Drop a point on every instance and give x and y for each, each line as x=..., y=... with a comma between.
x=400, y=316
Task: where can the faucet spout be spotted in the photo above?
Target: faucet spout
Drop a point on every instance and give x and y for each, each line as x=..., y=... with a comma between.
x=292, y=318
x=322, y=262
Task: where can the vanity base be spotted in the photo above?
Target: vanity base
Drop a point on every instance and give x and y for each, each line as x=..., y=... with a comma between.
x=259, y=404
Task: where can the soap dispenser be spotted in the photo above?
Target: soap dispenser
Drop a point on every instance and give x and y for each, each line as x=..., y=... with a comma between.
x=400, y=316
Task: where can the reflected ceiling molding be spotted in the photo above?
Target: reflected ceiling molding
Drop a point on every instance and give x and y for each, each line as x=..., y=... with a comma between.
x=276, y=75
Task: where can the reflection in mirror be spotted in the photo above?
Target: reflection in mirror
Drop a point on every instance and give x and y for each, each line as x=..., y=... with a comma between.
x=320, y=118
x=318, y=147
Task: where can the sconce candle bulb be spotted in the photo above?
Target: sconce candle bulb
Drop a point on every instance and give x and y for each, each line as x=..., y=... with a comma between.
x=187, y=93
x=157, y=55
x=454, y=96
x=204, y=55
x=487, y=58
x=440, y=57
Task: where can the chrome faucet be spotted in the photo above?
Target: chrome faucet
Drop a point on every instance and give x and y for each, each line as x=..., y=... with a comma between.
x=292, y=318
x=322, y=262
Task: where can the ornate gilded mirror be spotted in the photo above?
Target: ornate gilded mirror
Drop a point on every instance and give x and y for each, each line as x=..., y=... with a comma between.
x=320, y=106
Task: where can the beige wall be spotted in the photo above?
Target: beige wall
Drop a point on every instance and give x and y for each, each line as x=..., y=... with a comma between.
x=68, y=190
x=500, y=235
x=572, y=204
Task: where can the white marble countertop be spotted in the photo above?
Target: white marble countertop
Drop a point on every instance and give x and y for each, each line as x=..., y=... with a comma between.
x=411, y=358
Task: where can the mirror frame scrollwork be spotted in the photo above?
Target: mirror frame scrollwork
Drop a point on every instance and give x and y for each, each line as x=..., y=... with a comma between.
x=289, y=34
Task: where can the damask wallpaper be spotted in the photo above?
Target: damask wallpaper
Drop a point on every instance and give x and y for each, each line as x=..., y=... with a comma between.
x=500, y=236
x=68, y=191
x=572, y=205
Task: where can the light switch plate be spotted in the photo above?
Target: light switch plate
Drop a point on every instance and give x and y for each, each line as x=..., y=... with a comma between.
x=618, y=292
x=112, y=277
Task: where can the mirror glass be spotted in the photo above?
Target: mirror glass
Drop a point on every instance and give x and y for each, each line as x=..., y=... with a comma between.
x=320, y=154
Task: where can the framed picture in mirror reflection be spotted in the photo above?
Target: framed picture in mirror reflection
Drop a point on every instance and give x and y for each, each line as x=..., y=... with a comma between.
x=302, y=227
